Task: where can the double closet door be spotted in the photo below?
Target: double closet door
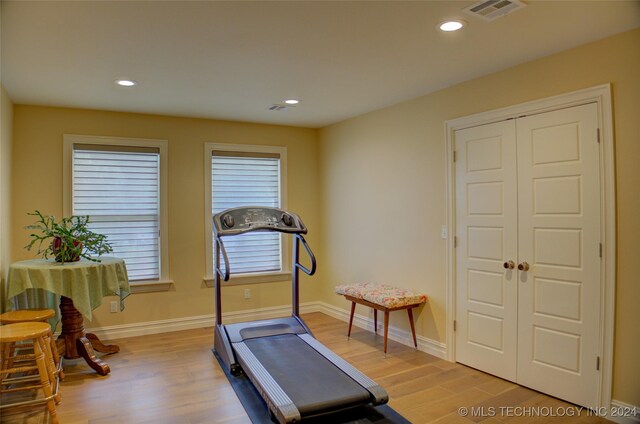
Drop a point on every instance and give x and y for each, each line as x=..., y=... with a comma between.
x=528, y=278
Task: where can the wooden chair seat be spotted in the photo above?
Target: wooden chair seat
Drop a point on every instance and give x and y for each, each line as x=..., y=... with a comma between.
x=26, y=315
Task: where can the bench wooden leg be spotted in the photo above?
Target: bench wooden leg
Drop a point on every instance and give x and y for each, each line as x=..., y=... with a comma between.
x=353, y=310
x=375, y=320
x=386, y=330
x=413, y=328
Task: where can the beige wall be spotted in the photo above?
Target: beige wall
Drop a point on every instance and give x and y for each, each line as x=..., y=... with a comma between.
x=6, y=125
x=37, y=184
x=390, y=164
x=349, y=187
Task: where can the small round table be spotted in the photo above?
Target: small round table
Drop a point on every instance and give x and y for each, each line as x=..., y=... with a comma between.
x=81, y=286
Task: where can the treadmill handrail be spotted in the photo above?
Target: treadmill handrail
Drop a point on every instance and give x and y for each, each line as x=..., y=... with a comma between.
x=227, y=272
x=225, y=276
x=311, y=256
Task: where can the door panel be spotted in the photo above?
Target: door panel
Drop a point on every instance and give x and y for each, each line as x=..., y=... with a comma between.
x=556, y=247
x=486, y=222
x=559, y=236
x=557, y=298
x=553, y=196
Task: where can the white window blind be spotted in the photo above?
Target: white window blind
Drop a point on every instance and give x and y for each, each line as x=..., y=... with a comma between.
x=248, y=179
x=119, y=188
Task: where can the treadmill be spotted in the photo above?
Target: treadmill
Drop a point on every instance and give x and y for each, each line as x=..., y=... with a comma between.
x=296, y=375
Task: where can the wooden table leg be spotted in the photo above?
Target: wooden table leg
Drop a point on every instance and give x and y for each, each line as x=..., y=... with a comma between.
x=85, y=349
x=78, y=344
x=386, y=329
x=413, y=328
x=353, y=310
x=72, y=327
x=101, y=347
x=375, y=320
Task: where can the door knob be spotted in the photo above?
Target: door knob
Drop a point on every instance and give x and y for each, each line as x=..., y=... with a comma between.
x=509, y=265
x=523, y=266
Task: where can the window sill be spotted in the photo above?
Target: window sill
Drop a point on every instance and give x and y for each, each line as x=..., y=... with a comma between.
x=151, y=286
x=270, y=277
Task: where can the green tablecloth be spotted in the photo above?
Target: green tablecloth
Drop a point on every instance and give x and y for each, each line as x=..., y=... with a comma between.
x=85, y=282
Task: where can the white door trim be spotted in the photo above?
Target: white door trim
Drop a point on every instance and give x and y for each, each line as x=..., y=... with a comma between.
x=601, y=95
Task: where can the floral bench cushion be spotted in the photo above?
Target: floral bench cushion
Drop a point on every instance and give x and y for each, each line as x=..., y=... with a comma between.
x=382, y=294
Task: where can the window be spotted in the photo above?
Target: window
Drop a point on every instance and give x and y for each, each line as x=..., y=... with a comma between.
x=119, y=183
x=242, y=175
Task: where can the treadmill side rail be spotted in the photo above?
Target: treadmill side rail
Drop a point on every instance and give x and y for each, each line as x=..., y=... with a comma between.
x=222, y=347
x=278, y=401
x=378, y=394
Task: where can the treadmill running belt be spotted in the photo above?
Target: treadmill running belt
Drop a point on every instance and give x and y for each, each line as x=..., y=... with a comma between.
x=313, y=383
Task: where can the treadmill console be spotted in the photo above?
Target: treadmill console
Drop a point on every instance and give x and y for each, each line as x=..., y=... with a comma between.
x=256, y=218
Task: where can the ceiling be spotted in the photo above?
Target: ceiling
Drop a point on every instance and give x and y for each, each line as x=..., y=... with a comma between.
x=232, y=60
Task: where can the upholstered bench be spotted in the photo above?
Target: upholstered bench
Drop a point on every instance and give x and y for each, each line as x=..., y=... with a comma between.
x=384, y=298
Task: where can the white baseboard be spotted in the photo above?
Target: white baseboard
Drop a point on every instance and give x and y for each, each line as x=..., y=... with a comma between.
x=623, y=413
x=188, y=323
x=429, y=346
x=152, y=327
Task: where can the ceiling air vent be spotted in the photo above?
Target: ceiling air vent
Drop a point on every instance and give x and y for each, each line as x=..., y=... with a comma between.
x=494, y=9
x=277, y=108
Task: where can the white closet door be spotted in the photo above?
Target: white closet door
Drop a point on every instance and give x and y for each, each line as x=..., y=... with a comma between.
x=559, y=236
x=486, y=232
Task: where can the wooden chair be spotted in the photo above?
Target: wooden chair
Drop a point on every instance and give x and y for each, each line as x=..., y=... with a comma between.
x=31, y=315
x=42, y=360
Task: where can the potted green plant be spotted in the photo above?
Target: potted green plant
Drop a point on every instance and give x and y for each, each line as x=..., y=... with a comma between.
x=68, y=239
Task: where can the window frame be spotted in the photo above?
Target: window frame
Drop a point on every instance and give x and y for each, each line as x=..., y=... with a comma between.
x=285, y=249
x=164, y=282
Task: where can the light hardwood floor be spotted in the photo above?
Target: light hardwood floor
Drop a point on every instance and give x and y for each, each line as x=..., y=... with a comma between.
x=173, y=378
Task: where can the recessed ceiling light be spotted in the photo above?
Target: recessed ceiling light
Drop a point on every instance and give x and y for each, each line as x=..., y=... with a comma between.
x=126, y=83
x=449, y=26
x=292, y=101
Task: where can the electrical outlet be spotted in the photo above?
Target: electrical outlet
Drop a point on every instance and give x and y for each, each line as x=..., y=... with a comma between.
x=443, y=232
x=247, y=293
x=114, y=307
